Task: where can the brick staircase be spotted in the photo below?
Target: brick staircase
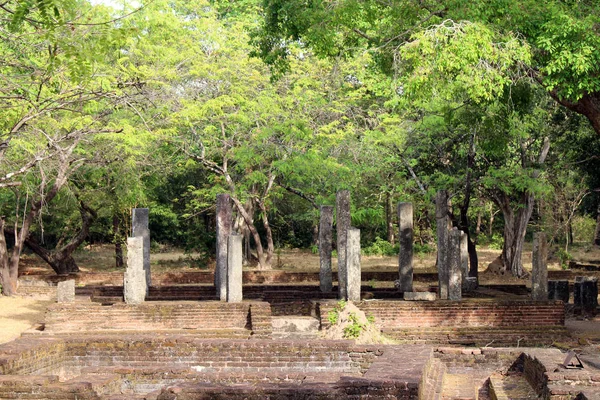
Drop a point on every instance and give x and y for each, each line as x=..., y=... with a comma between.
x=511, y=387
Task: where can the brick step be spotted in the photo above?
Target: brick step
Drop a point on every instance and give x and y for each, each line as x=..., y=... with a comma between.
x=218, y=333
x=479, y=335
x=511, y=387
x=458, y=387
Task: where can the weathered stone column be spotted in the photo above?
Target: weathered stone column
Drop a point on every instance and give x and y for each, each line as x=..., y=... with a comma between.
x=234, y=268
x=405, y=255
x=134, y=281
x=140, y=228
x=464, y=255
x=585, y=293
x=442, y=221
x=455, y=270
x=325, y=245
x=353, y=264
x=558, y=290
x=342, y=205
x=65, y=291
x=224, y=222
x=539, y=272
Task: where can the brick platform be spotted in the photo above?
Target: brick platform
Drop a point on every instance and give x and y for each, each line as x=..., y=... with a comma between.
x=243, y=319
x=471, y=321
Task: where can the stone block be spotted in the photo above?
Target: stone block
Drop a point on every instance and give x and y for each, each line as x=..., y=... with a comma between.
x=470, y=283
x=325, y=249
x=539, y=271
x=353, y=264
x=405, y=256
x=134, y=281
x=558, y=290
x=234, y=268
x=224, y=222
x=342, y=205
x=65, y=291
x=442, y=224
x=455, y=279
x=140, y=218
x=420, y=296
x=586, y=293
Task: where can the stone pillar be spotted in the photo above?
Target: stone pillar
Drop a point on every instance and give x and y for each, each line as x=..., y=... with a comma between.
x=585, y=294
x=464, y=256
x=325, y=244
x=558, y=290
x=134, y=281
x=442, y=221
x=539, y=272
x=65, y=291
x=139, y=226
x=455, y=268
x=224, y=222
x=353, y=264
x=405, y=238
x=234, y=269
x=342, y=205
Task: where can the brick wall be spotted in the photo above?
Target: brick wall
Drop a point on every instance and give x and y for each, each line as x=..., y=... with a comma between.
x=224, y=319
x=467, y=313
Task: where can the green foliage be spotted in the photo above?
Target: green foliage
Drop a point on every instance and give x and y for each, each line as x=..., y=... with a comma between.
x=354, y=328
x=584, y=228
x=563, y=258
x=381, y=248
x=333, y=316
x=424, y=248
x=495, y=242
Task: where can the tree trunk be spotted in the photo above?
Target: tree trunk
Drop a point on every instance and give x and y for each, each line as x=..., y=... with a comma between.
x=61, y=259
x=389, y=218
x=262, y=259
x=588, y=105
x=118, y=241
x=515, y=228
x=269, y=233
x=9, y=287
x=464, y=209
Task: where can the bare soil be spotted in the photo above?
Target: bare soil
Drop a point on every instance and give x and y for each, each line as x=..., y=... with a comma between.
x=18, y=314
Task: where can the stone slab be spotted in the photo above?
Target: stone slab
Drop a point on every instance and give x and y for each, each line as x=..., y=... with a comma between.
x=65, y=291
x=420, y=296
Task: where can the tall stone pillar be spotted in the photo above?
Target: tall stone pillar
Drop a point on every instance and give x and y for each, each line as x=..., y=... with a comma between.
x=464, y=257
x=224, y=222
x=405, y=256
x=442, y=222
x=234, y=269
x=342, y=205
x=353, y=264
x=539, y=273
x=140, y=228
x=455, y=269
x=325, y=245
x=134, y=280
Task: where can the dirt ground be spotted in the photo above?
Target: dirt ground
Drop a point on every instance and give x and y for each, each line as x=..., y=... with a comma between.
x=17, y=314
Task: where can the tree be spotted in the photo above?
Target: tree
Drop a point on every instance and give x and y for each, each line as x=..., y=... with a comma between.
x=55, y=96
x=563, y=37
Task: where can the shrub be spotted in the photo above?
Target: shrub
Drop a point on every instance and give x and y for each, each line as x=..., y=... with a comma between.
x=381, y=248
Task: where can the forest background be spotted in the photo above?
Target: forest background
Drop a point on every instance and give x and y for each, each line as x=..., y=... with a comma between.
x=165, y=104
